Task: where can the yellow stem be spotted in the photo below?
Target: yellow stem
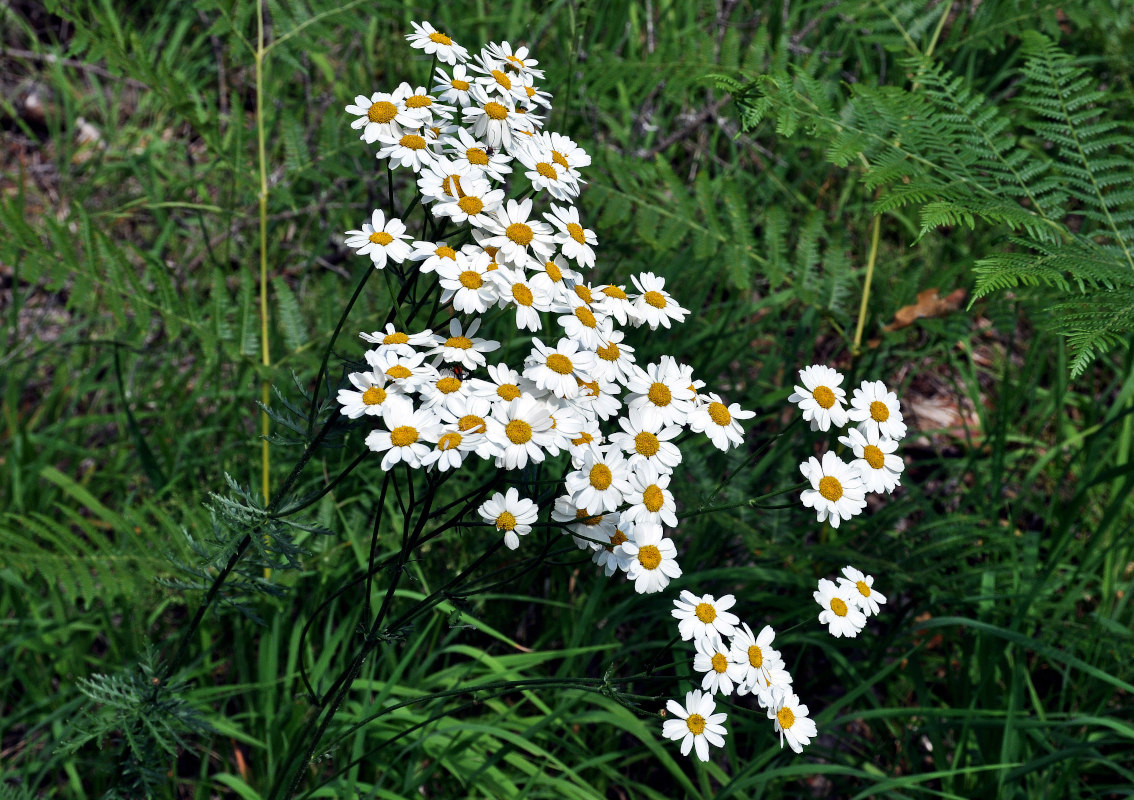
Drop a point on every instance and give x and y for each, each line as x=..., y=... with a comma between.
x=265, y=349
x=857, y=347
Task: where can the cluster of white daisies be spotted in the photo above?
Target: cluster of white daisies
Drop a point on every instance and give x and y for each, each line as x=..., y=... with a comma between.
x=436, y=400
x=838, y=489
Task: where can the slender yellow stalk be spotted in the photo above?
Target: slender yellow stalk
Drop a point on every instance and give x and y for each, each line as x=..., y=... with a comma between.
x=857, y=347
x=265, y=349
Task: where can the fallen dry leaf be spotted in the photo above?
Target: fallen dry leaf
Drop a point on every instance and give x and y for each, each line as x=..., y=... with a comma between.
x=929, y=303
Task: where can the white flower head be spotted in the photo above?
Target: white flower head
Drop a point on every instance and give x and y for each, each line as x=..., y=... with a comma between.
x=382, y=114
x=408, y=438
x=695, y=725
x=493, y=118
x=875, y=459
x=840, y=611
x=381, y=240
x=650, y=502
x=836, y=489
x=721, y=674
x=518, y=236
x=371, y=396
x=654, y=306
x=659, y=394
x=560, y=369
x=652, y=560
x=410, y=150
x=756, y=655
x=614, y=361
x=453, y=89
x=518, y=60
x=699, y=617
x=452, y=446
x=466, y=149
x=465, y=281
x=602, y=481
x=463, y=347
x=575, y=241
x=649, y=442
x=862, y=590
x=515, y=288
x=719, y=422
x=875, y=408
x=433, y=42
x=520, y=429
x=510, y=513
x=392, y=340
x=793, y=722
x=589, y=529
x=821, y=398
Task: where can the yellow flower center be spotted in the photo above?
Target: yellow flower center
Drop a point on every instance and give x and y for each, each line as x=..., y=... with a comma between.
x=531, y=90
x=609, y=352
x=412, y=141
x=616, y=539
x=560, y=159
x=646, y=444
x=459, y=342
x=470, y=280
x=649, y=557
x=705, y=612
x=591, y=386
x=381, y=237
x=584, y=293
x=601, y=477
x=471, y=423
x=553, y=271
x=382, y=112
x=587, y=518
x=519, y=233
x=584, y=438
x=398, y=371
x=659, y=394
x=506, y=522
x=395, y=338
x=585, y=316
x=823, y=396
x=720, y=662
x=459, y=85
x=419, y=101
x=518, y=431
x=403, y=436
x=718, y=413
x=696, y=724
x=838, y=606
x=440, y=38
x=471, y=205
x=615, y=292
x=448, y=385
x=476, y=156
x=516, y=63
x=863, y=589
x=522, y=294
x=879, y=412
x=830, y=488
x=444, y=251
x=653, y=499
x=556, y=362
x=874, y=456
x=575, y=230
x=502, y=79
x=655, y=299
x=786, y=717
x=452, y=186
x=374, y=396
x=449, y=441
x=508, y=391
x=492, y=251
x=547, y=171
x=755, y=656
x=495, y=111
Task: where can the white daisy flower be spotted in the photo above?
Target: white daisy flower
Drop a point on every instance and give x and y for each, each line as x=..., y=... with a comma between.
x=432, y=255
x=605, y=555
x=433, y=42
x=820, y=398
x=381, y=240
x=393, y=340
x=566, y=153
x=512, y=514
x=597, y=399
x=497, y=82
x=466, y=149
x=558, y=370
x=566, y=423
x=652, y=560
x=470, y=416
x=613, y=301
x=840, y=611
x=649, y=499
x=503, y=386
x=866, y=597
x=719, y=422
x=409, y=150
x=696, y=724
x=465, y=282
x=875, y=459
x=536, y=96
x=589, y=529
x=558, y=277
x=516, y=60
x=793, y=722
x=408, y=372
x=519, y=237
x=875, y=408
x=453, y=89
x=573, y=239
x=515, y=289
x=757, y=657
x=545, y=175
x=698, y=617
x=408, y=438
x=588, y=435
x=420, y=101
x=520, y=430
x=614, y=361
x=463, y=348
x=477, y=204
x=648, y=442
x=445, y=391
x=836, y=489
x=451, y=448
x=584, y=294
x=382, y=114
x=654, y=306
x=371, y=396
x=721, y=674
x=494, y=119
x=771, y=689
x=582, y=326
x=444, y=179
x=659, y=393
x=601, y=483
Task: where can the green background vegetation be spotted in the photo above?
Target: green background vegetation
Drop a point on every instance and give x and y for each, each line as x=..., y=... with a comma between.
x=131, y=368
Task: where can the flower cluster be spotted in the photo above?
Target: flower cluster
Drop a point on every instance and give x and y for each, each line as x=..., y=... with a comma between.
x=847, y=604
x=475, y=138
x=838, y=489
